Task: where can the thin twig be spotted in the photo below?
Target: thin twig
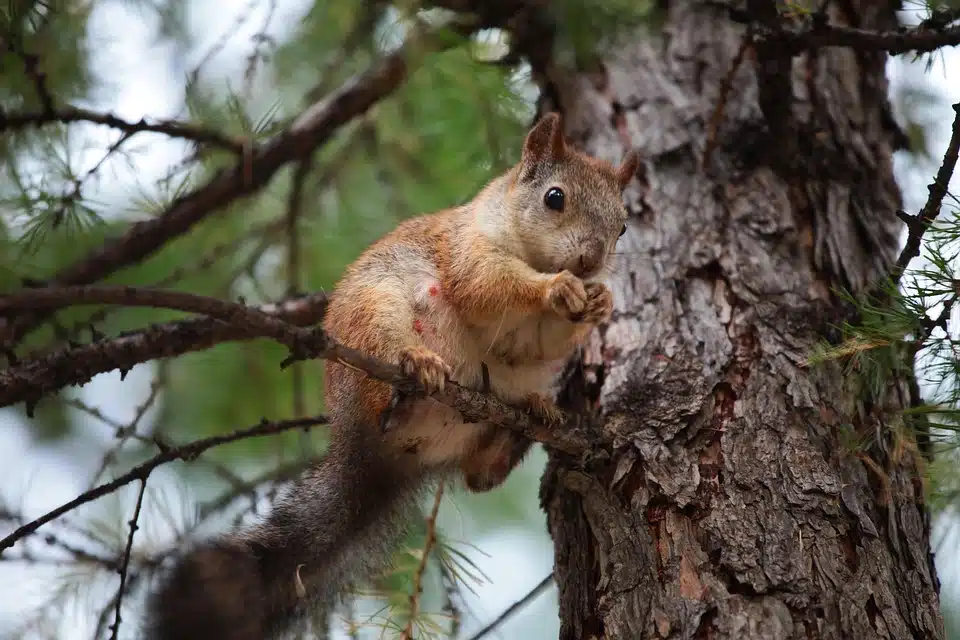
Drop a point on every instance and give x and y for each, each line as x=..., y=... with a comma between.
x=428, y=544
x=185, y=452
x=917, y=225
x=451, y=592
x=68, y=115
x=516, y=606
x=238, y=23
x=115, y=627
x=125, y=432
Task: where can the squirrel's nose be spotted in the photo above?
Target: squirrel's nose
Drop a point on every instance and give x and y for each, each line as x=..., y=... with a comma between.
x=591, y=257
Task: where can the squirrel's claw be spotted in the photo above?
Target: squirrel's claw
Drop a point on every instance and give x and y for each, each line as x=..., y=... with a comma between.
x=544, y=410
x=425, y=365
x=567, y=296
x=599, y=303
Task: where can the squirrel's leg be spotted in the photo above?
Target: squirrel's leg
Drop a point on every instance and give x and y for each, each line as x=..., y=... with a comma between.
x=501, y=450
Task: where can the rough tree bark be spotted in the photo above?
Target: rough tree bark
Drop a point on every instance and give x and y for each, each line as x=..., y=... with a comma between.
x=729, y=507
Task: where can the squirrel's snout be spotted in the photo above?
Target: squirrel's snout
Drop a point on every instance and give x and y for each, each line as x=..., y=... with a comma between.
x=591, y=258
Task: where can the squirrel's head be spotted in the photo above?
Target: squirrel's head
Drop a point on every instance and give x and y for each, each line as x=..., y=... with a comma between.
x=565, y=208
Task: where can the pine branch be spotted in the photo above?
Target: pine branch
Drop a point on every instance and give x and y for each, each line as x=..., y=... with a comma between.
x=124, y=566
x=125, y=432
x=816, y=33
x=30, y=380
x=171, y=128
x=16, y=383
x=893, y=42
x=532, y=595
x=250, y=318
x=185, y=452
x=451, y=594
x=428, y=544
x=78, y=555
x=313, y=128
x=917, y=225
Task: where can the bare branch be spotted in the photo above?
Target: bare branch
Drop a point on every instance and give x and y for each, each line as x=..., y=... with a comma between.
x=31, y=379
x=125, y=564
x=257, y=321
x=791, y=41
x=68, y=115
x=431, y=539
x=140, y=472
x=917, y=225
x=516, y=606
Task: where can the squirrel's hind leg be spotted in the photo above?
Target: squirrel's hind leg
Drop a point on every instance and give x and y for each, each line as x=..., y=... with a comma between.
x=500, y=451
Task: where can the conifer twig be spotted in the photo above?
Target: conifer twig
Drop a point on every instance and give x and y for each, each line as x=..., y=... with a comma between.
x=29, y=380
x=140, y=472
x=68, y=115
x=917, y=225
x=428, y=544
x=32, y=68
x=817, y=34
x=125, y=564
x=532, y=595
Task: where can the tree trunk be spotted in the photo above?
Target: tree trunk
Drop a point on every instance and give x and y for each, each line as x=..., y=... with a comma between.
x=733, y=505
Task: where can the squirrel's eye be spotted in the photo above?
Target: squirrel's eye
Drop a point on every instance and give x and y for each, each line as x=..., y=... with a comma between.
x=624, y=230
x=554, y=199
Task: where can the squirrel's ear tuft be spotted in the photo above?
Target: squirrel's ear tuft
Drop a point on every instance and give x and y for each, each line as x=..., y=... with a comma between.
x=544, y=144
x=627, y=169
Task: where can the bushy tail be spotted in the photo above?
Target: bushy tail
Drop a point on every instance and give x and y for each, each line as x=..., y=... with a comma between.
x=338, y=523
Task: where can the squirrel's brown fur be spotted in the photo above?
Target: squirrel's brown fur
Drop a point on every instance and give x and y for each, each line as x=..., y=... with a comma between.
x=504, y=282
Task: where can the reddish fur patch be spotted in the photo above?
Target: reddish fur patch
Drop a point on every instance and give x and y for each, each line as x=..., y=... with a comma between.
x=418, y=326
x=433, y=291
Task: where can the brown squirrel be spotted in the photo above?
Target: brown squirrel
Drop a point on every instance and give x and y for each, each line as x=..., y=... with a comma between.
x=509, y=282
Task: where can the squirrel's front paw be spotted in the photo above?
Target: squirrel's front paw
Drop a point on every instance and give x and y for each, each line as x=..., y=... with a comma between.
x=599, y=303
x=567, y=296
x=544, y=410
x=426, y=366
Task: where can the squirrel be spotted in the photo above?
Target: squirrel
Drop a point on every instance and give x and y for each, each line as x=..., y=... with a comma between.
x=499, y=291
